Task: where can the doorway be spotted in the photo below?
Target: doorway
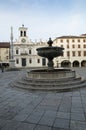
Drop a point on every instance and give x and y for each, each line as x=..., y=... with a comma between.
x=23, y=61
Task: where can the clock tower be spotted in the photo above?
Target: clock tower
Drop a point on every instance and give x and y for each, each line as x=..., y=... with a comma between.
x=23, y=34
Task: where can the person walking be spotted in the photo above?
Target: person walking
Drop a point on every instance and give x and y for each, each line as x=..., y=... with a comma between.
x=2, y=68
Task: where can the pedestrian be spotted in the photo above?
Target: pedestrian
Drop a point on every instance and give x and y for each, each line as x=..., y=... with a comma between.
x=2, y=67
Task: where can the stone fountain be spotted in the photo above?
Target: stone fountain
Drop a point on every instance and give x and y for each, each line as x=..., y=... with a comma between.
x=50, y=53
x=60, y=79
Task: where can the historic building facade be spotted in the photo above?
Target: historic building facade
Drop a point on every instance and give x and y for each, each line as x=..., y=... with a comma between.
x=25, y=53
x=4, y=53
x=74, y=51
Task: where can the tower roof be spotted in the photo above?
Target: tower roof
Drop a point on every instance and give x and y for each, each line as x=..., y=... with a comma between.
x=23, y=28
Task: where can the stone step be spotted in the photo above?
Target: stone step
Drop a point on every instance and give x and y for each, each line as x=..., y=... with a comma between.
x=57, y=88
x=55, y=80
x=63, y=84
x=49, y=83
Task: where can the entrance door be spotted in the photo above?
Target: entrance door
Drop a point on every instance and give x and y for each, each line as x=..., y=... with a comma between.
x=23, y=62
x=43, y=61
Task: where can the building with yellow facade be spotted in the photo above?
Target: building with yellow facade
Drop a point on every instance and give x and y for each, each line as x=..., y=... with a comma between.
x=4, y=53
x=74, y=51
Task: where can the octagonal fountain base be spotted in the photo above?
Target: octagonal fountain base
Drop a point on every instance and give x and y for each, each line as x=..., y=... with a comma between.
x=50, y=80
x=51, y=74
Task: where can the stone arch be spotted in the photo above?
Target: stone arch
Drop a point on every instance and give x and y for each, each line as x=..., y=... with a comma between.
x=65, y=63
x=76, y=63
x=17, y=50
x=21, y=33
x=24, y=33
x=83, y=63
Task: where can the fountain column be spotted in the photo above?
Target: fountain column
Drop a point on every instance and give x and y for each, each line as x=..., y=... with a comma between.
x=50, y=60
x=50, y=64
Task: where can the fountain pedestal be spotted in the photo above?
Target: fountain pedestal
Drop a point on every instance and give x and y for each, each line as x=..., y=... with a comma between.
x=50, y=65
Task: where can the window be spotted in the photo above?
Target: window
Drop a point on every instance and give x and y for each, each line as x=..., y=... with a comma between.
x=29, y=51
x=21, y=33
x=73, y=46
x=83, y=40
x=73, y=53
x=61, y=40
x=79, y=53
x=7, y=57
x=84, y=46
x=17, y=61
x=62, y=54
x=17, y=51
x=84, y=53
x=78, y=40
x=30, y=61
x=78, y=45
x=43, y=61
x=67, y=40
x=67, y=45
x=24, y=33
x=73, y=40
x=62, y=46
x=68, y=53
x=38, y=60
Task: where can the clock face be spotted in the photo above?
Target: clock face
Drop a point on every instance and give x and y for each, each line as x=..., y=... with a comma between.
x=23, y=40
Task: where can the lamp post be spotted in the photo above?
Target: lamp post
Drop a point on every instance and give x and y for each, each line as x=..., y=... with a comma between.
x=11, y=42
x=68, y=53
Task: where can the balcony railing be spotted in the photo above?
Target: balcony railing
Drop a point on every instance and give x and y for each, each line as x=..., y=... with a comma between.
x=24, y=53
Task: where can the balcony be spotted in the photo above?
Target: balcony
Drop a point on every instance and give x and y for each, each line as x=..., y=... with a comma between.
x=23, y=53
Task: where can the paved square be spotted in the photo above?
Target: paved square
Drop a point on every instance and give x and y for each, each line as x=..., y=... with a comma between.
x=36, y=110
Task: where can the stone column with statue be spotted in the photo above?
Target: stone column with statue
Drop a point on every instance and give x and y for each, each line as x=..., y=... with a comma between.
x=11, y=61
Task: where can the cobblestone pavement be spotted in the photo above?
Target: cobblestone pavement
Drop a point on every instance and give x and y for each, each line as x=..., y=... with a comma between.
x=31, y=110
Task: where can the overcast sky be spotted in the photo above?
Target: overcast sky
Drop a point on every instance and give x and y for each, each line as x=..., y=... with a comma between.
x=44, y=18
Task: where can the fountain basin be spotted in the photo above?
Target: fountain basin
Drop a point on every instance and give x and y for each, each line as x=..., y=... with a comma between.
x=50, y=52
x=52, y=74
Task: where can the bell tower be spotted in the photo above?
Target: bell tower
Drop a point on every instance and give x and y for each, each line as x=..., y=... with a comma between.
x=23, y=34
x=23, y=31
